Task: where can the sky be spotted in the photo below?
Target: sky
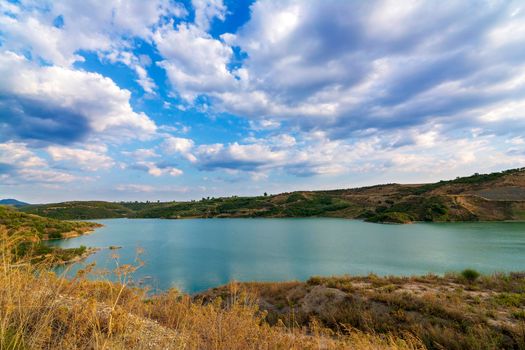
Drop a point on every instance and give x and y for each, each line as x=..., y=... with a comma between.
x=176, y=100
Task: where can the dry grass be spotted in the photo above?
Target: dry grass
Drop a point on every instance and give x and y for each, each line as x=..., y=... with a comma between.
x=450, y=312
x=39, y=310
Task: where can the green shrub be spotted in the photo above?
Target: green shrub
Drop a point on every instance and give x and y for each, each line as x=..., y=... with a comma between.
x=391, y=217
x=519, y=315
x=470, y=275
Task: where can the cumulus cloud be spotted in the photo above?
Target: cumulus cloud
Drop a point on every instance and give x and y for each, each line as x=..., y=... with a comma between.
x=56, y=32
x=157, y=169
x=316, y=154
x=141, y=154
x=259, y=157
x=327, y=87
x=353, y=66
x=179, y=145
x=18, y=164
x=206, y=11
x=14, y=153
x=84, y=158
x=238, y=156
x=350, y=67
x=136, y=64
x=86, y=25
x=194, y=61
x=62, y=105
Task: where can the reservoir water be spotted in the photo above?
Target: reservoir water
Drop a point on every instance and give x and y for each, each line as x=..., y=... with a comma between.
x=197, y=254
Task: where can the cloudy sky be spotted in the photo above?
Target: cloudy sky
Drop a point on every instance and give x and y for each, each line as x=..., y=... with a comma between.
x=160, y=99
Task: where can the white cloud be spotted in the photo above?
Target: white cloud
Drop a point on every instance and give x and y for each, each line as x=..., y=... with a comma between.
x=134, y=188
x=264, y=124
x=260, y=156
x=33, y=175
x=87, y=25
x=195, y=62
x=142, y=188
x=207, y=10
x=237, y=156
x=15, y=153
x=18, y=165
x=343, y=68
x=74, y=103
x=156, y=169
x=328, y=87
x=141, y=154
x=179, y=145
x=135, y=63
x=104, y=27
x=85, y=159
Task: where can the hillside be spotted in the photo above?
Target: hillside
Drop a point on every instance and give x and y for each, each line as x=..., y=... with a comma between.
x=79, y=210
x=487, y=197
x=28, y=231
x=41, y=227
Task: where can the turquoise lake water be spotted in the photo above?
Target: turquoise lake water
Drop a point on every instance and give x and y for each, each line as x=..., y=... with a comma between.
x=197, y=254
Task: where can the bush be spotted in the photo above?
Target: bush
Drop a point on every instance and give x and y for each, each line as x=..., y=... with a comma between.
x=470, y=275
x=391, y=217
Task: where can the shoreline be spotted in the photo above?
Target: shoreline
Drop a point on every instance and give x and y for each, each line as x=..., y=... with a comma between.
x=301, y=217
x=74, y=234
x=79, y=258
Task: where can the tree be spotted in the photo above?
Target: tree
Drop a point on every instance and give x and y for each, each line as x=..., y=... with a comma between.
x=265, y=194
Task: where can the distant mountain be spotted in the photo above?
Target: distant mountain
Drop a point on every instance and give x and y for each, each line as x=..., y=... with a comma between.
x=13, y=202
x=486, y=197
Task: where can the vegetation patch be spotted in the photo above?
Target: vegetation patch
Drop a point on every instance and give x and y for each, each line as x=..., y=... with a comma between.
x=27, y=233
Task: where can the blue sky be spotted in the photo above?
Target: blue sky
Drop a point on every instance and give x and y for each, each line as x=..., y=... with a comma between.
x=168, y=100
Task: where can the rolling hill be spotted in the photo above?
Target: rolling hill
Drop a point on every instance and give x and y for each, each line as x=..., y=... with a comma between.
x=12, y=202
x=487, y=197
x=79, y=210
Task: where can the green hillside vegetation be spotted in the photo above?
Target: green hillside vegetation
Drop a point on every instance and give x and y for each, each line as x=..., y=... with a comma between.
x=27, y=231
x=495, y=196
x=476, y=179
x=41, y=227
x=79, y=210
x=293, y=205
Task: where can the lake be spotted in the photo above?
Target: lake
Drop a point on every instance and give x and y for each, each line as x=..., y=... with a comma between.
x=197, y=254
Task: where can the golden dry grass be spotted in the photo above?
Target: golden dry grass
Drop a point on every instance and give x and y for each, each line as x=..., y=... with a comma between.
x=449, y=312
